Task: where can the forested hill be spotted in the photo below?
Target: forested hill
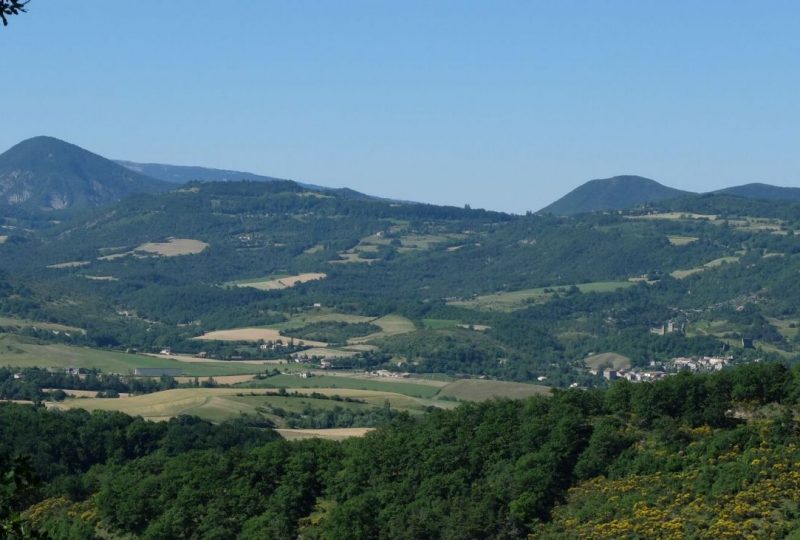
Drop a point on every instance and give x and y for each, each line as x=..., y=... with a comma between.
x=764, y=192
x=45, y=173
x=689, y=457
x=617, y=193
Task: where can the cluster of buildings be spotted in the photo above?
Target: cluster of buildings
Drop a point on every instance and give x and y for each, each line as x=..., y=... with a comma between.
x=658, y=370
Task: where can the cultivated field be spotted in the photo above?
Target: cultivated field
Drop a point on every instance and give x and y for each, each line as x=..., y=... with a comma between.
x=677, y=216
x=173, y=247
x=481, y=389
x=254, y=334
x=272, y=284
x=511, y=300
x=334, y=434
x=3, y=238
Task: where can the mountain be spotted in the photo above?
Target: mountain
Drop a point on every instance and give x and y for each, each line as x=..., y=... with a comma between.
x=764, y=192
x=617, y=193
x=45, y=173
x=181, y=174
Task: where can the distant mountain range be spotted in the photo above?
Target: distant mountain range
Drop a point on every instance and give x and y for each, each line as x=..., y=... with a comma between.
x=627, y=192
x=45, y=174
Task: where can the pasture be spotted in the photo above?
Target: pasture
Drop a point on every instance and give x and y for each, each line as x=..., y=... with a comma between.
x=682, y=274
x=333, y=434
x=19, y=351
x=254, y=334
x=11, y=322
x=512, y=300
x=483, y=389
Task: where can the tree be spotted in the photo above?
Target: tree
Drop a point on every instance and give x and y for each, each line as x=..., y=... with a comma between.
x=11, y=7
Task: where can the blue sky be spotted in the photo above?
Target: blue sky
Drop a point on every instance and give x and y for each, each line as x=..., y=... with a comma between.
x=503, y=105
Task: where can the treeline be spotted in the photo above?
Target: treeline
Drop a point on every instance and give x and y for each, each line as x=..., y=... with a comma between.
x=484, y=470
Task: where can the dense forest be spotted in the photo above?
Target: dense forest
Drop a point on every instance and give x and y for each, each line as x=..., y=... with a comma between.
x=705, y=456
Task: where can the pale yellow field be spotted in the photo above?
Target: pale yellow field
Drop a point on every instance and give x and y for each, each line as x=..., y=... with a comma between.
x=84, y=393
x=330, y=353
x=3, y=239
x=173, y=247
x=282, y=283
x=255, y=334
x=223, y=379
x=334, y=434
x=71, y=264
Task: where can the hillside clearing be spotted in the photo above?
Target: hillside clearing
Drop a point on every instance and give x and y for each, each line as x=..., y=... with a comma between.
x=407, y=387
x=681, y=274
x=391, y=325
x=616, y=361
x=272, y=284
x=173, y=247
x=677, y=240
x=334, y=434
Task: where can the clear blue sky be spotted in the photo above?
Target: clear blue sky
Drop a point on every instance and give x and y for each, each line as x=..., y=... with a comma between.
x=499, y=104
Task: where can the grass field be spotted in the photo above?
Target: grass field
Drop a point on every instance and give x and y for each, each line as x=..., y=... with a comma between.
x=681, y=274
x=440, y=324
x=412, y=389
x=277, y=283
x=391, y=325
x=334, y=434
x=219, y=404
x=617, y=361
x=481, y=389
x=19, y=351
x=677, y=240
x=509, y=301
